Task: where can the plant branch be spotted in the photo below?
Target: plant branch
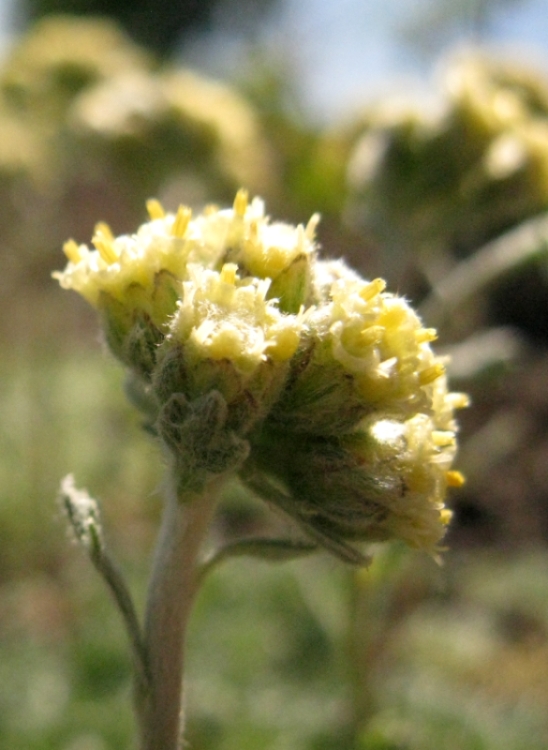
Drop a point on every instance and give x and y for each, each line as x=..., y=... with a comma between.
x=84, y=518
x=263, y=548
x=172, y=589
x=516, y=247
x=258, y=483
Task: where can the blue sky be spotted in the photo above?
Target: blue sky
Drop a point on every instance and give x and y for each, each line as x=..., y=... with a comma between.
x=350, y=49
x=344, y=52
x=347, y=51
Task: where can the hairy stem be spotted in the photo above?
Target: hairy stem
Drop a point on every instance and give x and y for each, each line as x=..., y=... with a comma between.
x=172, y=588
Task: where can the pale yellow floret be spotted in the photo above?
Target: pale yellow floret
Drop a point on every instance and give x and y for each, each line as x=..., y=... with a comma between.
x=72, y=251
x=241, y=202
x=226, y=317
x=102, y=229
x=426, y=335
x=429, y=374
x=458, y=400
x=379, y=339
x=155, y=209
x=181, y=222
x=372, y=289
x=103, y=240
x=283, y=344
x=118, y=264
x=228, y=273
x=225, y=343
x=312, y=225
x=371, y=335
x=418, y=516
x=445, y=516
x=269, y=249
x=443, y=438
x=396, y=314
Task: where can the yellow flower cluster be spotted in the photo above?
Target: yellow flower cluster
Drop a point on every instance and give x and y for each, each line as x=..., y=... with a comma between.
x=221, y=318
x=329, y=379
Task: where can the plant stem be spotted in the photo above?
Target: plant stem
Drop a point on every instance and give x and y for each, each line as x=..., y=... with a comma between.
x=172, y=588
x=520, y=245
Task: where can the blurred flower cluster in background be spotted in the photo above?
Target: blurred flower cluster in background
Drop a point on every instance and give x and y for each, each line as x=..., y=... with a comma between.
x=443, y=192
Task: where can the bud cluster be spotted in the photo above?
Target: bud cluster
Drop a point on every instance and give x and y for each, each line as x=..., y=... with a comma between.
x=247, y=353
x=456, y=175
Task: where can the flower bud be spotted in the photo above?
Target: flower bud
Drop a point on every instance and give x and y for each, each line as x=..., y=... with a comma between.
x=365, y=351
x=452, y=177
x=228, y=337
x=387, y=480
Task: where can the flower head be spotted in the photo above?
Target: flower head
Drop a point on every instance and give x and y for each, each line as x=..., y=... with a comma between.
x=385, y=480
x=298, y=370
x=365, y=350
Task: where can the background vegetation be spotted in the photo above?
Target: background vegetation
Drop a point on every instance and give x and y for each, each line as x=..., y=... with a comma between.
x=307, y=655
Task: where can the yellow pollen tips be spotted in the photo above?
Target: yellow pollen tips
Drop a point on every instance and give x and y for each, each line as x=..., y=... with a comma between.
x=155, y=209
x=454, y=478
x=372, y=289
x=181, y=222
x=429, y=374
x=228, y=273
x=310, y=230
x=443, y=438
x=103, y=229
x=103, y=240
x=445, y=516
x=426, y=335
x=371, y=335
x=72, y=251
x=284, y=346
x=458, y=400
x=240, y=202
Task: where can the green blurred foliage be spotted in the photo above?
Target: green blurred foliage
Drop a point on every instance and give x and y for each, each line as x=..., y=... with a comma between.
x=434, y=23
x=455, y=175
x=160, y=25
x=93, y=127
x=306, y=655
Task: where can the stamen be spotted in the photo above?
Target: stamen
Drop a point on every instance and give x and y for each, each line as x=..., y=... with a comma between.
x=371, y=335
x=301, y=236
x=310, y=230
x=429, y=374
x=372, y=289
x=458, y=400
x=241, y=202
x=155, y=209
x=228, y=273
x=445, y=516
x=443, y=438
x=104, y=230
x=72, y=251
x=426, y=335
x=181, y=221
x=103, y=240
x=454, y=478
